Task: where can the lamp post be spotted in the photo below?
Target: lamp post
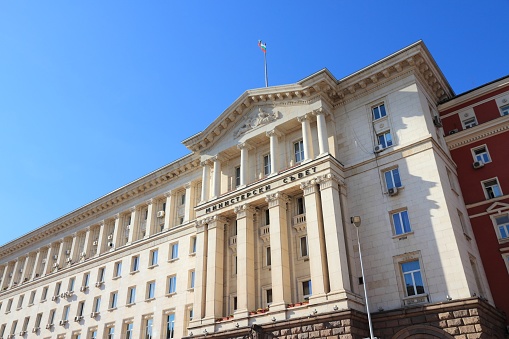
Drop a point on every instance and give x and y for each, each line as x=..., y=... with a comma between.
x=357, y=223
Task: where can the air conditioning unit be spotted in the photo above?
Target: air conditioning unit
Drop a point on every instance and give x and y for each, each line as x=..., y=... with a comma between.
x=62, y=295
x=22, y=333
x=392, y=191
x=160, y=214
x=78, y=318
x=94, y=314
x=55, y=257
x=110, y=237
x=63, y=322
x=379, y=148
x=453, y=131
x=478, y=164
x=95, y=243
x=55, y=265
x=49, y=326
x=83, y=288
x=35, y=329
x=110, y=244
x=54, y=298
x=69, y=294
x=98, y=284
x=68, y=260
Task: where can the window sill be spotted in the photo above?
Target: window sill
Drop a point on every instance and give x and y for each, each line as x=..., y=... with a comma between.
x=152, y=266
x=415, y=299
x=192, y=254
x=19, y=308
x=29, y=305
x=503, y=240
x=190, y=289
x=129, y=305
x=306, y=258
x=134, y=272
x=42, y=301
x=402, y=236
x=112, y=309
x=149, y=299
x=169, y=295
x=117, y=277
x=172, y=260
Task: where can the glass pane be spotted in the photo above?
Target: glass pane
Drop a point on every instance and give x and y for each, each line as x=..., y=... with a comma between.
x=503, y=232
x=502, y=220
x=397, y=224
x=406, y=222
x=388, y=179
x=376, y=113
x=388, y=139
x=410, y=266
x=409, y=284
x=382, y=111
x=397, y=180
x=418, y=282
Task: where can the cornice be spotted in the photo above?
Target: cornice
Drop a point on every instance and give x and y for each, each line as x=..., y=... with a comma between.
x=105, y=204
x=479, y=132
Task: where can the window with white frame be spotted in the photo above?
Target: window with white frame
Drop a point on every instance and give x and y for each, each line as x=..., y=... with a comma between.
x=378, y=111
x=504, y=110
x=117, y=271
x=13, y=328
x=97, y=304
x=9, y=305
x=192, y=275
x=306, y=289
x=172, y=284
x=491, y=188
x=502, y=225
x=266, y=164
x=170, y=326
x=81, y=309
x=384, y=139
x=148, y=328
x=51, y=318
x=469, y=122
x=93, y=334
x=110, y=332
x=25, y=324
x=57, y=288
x=462, y=222
x=481, y=154
x=131, y=295
x=70, y=286
x=129, y=331
x=237, y=176
x=412, y=278
x=38, y=320
x=86, y=279
x=192, y=247
x=2, y=330
x=20, y=301
x=151, y=290
x=154, y=254
x=44, y=293
x=298, y=149
x=174, y=251
x=113, y=300
x=401, y=222
x=135, y=263
x=392, y=178
x=303, y=246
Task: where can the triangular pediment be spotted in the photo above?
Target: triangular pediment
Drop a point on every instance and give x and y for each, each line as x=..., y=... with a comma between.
x=497, y=207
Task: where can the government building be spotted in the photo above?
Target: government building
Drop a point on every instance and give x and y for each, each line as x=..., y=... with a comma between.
x=250, y=235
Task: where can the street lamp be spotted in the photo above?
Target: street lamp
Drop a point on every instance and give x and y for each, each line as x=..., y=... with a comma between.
x=357, y=223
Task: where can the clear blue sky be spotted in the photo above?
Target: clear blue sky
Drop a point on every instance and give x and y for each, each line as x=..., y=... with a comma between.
x=95, y=94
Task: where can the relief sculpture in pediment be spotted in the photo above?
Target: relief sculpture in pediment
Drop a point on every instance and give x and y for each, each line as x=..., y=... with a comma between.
x=262, y=118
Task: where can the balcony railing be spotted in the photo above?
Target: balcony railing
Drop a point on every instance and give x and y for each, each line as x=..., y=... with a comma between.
x=299, y=222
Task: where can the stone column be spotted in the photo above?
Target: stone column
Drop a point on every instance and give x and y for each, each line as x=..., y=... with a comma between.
x=316, y=242
x=337, y=258
x=117, y=231
x=321, y=125
x=14, y=273
x=87, y=243
x=101, y=238
x=36, y=264
x=24, y=271
x=244, y=148
x=200, y=271
x=307, y=141
x=134, y=228
x=150, y=227
x=245, y=260
x=3, y=283
x=205, y=181
x=169, y=214
x=274, y=148
x=60, y=254
x=280, y=257
x=216, y=183
x=74, y=248
x=215, y=251
x=190, y=198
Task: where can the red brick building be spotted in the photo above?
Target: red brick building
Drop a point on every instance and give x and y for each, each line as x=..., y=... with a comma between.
x=476, y=124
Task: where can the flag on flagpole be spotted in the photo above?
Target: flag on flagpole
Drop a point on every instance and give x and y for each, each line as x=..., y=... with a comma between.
x=262, y=46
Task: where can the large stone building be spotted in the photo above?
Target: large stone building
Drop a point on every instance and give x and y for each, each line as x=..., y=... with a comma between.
x=250, y=234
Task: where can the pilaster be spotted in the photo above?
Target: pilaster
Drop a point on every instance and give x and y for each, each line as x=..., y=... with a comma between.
x=134, y=228
x=150, y=228
x=322, y=131
x=200, y=271
x=117, y=232
x=205, y=181
x=74, y=248
x=14, y=273
x=307, y=140
x=169, y=216
x=244, y=148
x=36, y=264
x=216, y=183
x=274, y=150
x=101, y=238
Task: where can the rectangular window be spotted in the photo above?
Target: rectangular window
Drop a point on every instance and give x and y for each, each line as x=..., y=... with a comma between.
x=38, y=320
x=44, y=293
x=151, y=290
x=32, y=298
x=379, y=112
x=70, y=286
x=237, y=176
x=492, y=188
x=385, y=139
x=57, y=288
x=298, y=149
x=266, y=218
x=13, y=327
x=401, y=222
x=148, y=328
x=113, y=299
x=462, y=222
x=86, y=279
x=129, y=331
x=93, y=334
x=65, y=313
x=81, y=309
x=154, y=254
x=172, y=284
x=100, y=276
x=300, y=206
x=51, y=318
x=20, y=301
x=450, y=177
x=303, y=246
x=504, y=110
x=268, y=256
x=502, y=223
x=306, y=289
x=193, y=245
x=174, y=251
x=2, y=330
x=392, y=178
x=131, y=295
x=170, y=326
x=9, y=305
x=506, y=260
x=25, y=324
x=268, y=296
x=117, y=273
x=481, y=154
x=183, y=199
x=191, y=278
x=266, y=164
x=110, y=333
x=412, y=278
x=135, y=264
x=97, y=304
x=469, y=123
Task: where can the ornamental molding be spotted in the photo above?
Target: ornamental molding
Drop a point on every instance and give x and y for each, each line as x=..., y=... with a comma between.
x=263, y=117
x=245, y=210
x=308, y=186
x=275, y=199
x=479, y=132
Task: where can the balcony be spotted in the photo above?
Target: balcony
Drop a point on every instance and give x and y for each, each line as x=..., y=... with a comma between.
x=265, y=233
x=299, y=222
x=233, y=243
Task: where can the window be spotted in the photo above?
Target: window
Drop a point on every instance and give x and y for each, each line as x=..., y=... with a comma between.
x=20, y=301
x=481, y=154
x=9, y=305
x=237, y=176
x=303, y=246
x=51, y=318
x=100, y=276
x=183, y=199
x=65, y=313
x=193, y=245
x=170, y=326
x=450, y=177
x=86, y=279
x=44, y=293
x=268, y=258
x=266, y=217
x=38, y=320
x=266, y=164
x=385, y=139
x=2, y=330
x=300, y=206
x=306, y=289
x=502, y=223
x=504, y=110
x=81, y=309
x=174, y=251
x=97, y=304
x=13, y=327
x=148, y=328
x=392, y=178
x=110, y=333
x=506, y=260
x=113, y=300
x=379, y=112
x=129, y=331
x=131, y=295
x=117, y=273
x=298, y=149
x=57, y=288
x=491, y=188
x=151, y=290
x=469, y=123
x=70, y=286
x=401, y=222
x=412, y=278
x=25, y=324
x=153, y=257
x=93, y=334
x=268, y=296
x=191, y=278
x=135, y=264
x=172, y=284
x=462, y=222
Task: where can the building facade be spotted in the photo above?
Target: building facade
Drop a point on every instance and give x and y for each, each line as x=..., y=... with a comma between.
x=477, y=124
x=250, y=235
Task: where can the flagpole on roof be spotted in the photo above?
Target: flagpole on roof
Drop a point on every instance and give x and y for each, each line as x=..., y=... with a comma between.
x=263, y=47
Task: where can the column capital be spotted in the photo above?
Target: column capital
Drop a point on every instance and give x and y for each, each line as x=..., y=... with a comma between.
x=243, y=211
x=319, y=111
x=218, y=157
x=149, y=201
x=244, y=145
x=328, y=180
x=189, y=184
x=275, y=199
x=274, y=132
x=304, y=117
x=101, y=223
x=116, y=216
x=308, y=187
x=169, y=193
x=206, y=162
x=133, y=209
